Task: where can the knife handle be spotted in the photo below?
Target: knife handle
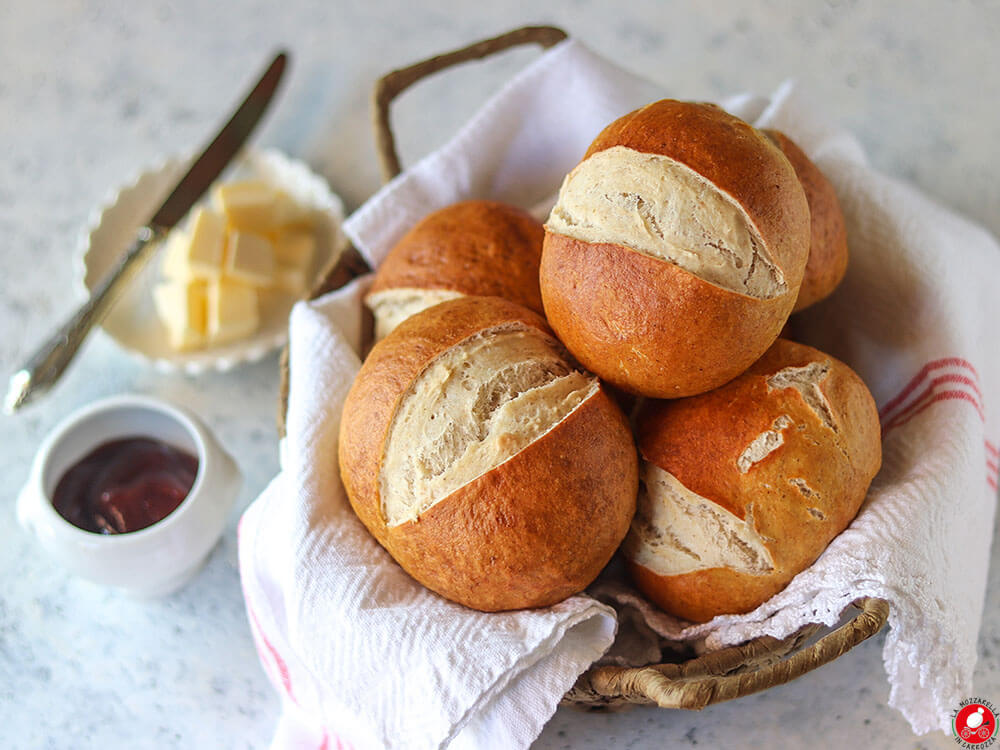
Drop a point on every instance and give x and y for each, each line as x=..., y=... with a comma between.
x=41, y=371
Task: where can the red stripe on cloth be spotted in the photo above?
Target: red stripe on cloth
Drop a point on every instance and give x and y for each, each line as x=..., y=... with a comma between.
x=286, y=679
x=899, y=420
x=279, y=663
x=992, y=483
x=928, y=391
x=991, y=465
x=960, y=379
x=269, y=668
x=917, y=403
x=931, y=385
x=992, y=448
x=916, y=380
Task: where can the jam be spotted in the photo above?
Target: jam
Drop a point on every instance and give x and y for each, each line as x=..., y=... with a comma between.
x=125, y=485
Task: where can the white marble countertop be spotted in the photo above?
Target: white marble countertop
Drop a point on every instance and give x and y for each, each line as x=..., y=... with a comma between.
x=91, y=91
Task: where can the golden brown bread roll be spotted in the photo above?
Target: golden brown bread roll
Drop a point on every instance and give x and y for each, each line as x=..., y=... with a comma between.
x=476, y=247
x=745, y=486
x=490, y=468
x=675, y=251
x=828, y=234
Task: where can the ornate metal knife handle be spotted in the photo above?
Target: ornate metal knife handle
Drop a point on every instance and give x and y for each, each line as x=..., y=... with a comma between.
x=44, y=367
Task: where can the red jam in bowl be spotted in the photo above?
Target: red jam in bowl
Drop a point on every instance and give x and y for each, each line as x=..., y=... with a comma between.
x=125, y=485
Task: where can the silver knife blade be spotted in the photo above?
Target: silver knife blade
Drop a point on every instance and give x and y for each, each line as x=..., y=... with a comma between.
x=41, y=371
x=222, y=149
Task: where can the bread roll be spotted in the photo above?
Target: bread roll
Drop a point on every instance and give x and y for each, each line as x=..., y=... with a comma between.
x=675, y=251
x=828, y=236
x=492, y=470
x=474, y=247
x=743, y=487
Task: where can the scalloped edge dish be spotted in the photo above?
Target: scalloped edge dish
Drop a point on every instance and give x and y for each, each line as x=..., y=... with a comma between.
x=132, y=321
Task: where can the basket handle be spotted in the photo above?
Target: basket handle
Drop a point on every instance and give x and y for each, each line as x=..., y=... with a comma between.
x=710, y=679
x=350, y=264
x=391, y=85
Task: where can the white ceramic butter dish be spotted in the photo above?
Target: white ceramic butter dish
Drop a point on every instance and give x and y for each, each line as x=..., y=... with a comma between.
x=133, y=321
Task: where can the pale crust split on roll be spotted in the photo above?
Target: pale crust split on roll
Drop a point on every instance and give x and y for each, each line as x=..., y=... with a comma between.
x=472, y=408
x=475, y=247
x=392, y=306
x=661, y=208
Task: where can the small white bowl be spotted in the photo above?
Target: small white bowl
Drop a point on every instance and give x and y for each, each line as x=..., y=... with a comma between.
x=133, y=322
x=152, y=561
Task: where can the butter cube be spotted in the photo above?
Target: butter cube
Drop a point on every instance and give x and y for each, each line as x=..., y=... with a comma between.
x=181, y=306
x=295, y=249
x=254, y=206
x=174, y=264
x=291, y=279
x=250, y=259
x=206, y=245
x=232, y=310
x=288, y=212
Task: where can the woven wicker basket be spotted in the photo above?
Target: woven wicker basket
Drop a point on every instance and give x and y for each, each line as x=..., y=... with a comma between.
x=699, y=681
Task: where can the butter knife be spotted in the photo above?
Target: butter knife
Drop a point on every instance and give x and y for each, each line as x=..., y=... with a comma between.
x=47, y=364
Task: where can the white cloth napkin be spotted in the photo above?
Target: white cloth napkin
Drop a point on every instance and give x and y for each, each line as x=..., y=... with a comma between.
x=362, y=653
x=365, y=657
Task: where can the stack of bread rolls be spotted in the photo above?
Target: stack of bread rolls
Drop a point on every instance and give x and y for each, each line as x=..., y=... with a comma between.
x=479, y=444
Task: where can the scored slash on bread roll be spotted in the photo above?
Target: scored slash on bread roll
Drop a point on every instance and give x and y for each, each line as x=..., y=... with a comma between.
x=661, y=208
x=828, y=254
x=475, y=406
x=474, y=247
x=745, y=486
x=493, y=470
x=676, y=249
x=392, y=306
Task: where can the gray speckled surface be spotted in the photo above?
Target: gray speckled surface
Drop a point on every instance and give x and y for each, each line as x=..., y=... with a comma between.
x=92, y=91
